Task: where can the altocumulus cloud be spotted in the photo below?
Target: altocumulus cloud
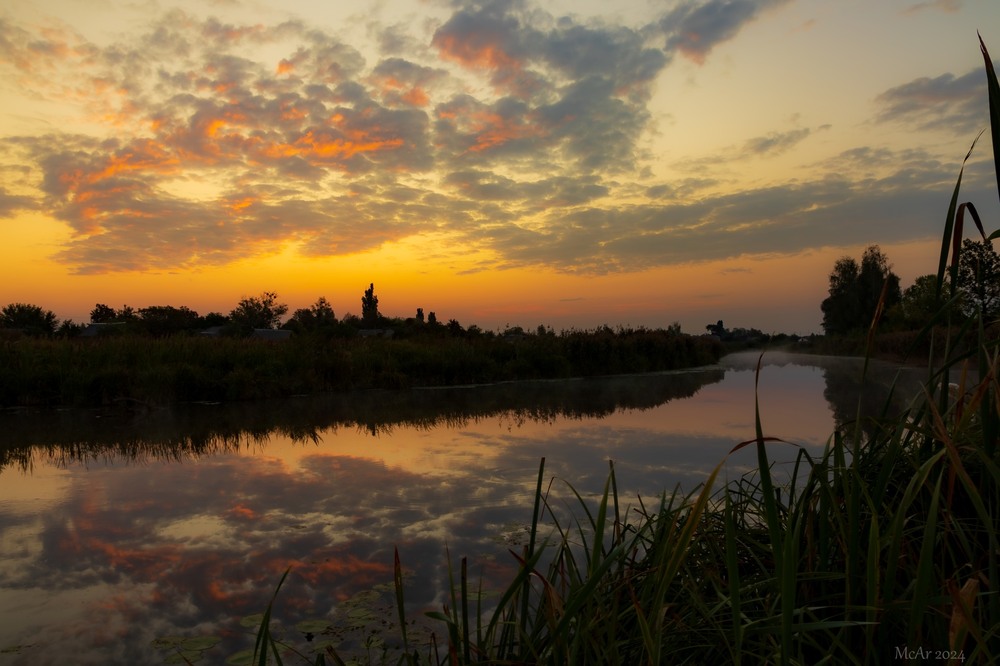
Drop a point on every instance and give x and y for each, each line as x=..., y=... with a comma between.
x=505, y=129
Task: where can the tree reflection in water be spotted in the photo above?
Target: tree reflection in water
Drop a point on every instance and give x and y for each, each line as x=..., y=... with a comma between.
x=179, y=431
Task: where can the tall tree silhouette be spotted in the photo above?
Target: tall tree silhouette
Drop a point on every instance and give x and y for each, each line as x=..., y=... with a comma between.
x=855, y=291
x=979, y=278
x=369, y=307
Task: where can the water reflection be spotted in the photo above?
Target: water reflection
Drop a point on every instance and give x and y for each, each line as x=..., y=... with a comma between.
x=196, y=429
x=117, y=528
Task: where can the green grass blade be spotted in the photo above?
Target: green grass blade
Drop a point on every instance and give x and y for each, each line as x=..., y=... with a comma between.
x=397, y=579
x=264, y=641
x=952, y=237
x=993, y=89
x=925, y=574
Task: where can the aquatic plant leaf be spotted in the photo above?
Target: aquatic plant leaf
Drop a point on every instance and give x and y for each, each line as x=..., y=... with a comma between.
x=252, y=621
x=167, y=642
x=199, y=643
x=312, y=626
x=363, y=597
x=241, y=658
x=362, y=614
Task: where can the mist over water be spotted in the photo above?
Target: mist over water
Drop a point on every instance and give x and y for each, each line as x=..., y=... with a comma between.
x=120, y=528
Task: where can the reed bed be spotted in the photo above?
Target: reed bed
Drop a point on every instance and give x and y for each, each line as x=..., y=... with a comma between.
x=884, y=549
x=135, y=369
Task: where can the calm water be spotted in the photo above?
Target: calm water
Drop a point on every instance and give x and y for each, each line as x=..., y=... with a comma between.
x=120, y=529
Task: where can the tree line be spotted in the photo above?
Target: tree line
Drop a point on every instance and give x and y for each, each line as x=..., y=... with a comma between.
x=858, y=289
x=253, y=313
x=264, y=311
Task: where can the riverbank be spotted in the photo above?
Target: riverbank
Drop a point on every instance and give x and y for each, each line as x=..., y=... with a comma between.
x=152, y=371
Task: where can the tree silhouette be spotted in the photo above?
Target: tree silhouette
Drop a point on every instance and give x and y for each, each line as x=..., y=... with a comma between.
x=262, y=311
x=318, y=317
x=855, y=291
x=979, y=278
x=102, y=314
x=31, y=319
x=162, y=320
x=369, y=307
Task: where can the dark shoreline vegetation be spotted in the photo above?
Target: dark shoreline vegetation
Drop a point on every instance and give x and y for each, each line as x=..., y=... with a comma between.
x=884, y=548
x=136, y=371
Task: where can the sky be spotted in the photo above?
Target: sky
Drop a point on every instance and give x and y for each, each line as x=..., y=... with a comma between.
x=565, y=162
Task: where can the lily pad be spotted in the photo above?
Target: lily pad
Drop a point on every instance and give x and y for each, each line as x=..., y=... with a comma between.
x=363, y=597
x=167, y=642
x=241, y=658
x=251, y=621
x=361, y=615
x=199, y=643
x=186, y=649
x=312, y=626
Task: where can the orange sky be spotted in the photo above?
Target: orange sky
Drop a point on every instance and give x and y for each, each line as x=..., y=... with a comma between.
x=497, y=163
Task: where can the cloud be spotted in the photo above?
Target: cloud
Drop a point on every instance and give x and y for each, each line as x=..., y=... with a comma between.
x=891, y=203
x=519, y=133
x=776, y=143
x=942, y=102
x=12, y=203
x=695, y=28
x=948, y=6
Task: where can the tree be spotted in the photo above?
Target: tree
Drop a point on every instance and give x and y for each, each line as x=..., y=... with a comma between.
x=262, y=311
x=921, y=302
x=102, y=314
x=214, y=319
x=31, y=319
x=319, y=316
x=369, y=307
x=979, y=279
x=163, y=320
x=876, y=274
x=855, y=291
x=126, y=313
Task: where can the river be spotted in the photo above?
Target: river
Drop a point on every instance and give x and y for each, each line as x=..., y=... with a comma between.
x=122, y=534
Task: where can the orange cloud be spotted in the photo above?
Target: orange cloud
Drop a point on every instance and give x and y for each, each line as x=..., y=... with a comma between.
x=290, y=113
x=416, y=97
x=474, y=51
x=349, y=567
x=317, y=147
x=242, y=512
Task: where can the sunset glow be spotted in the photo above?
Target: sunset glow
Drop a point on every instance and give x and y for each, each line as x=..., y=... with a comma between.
x=532, y=162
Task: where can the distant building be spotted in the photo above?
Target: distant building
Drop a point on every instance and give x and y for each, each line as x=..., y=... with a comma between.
x=94, y=330
x=272, y=334
x=376, y=332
